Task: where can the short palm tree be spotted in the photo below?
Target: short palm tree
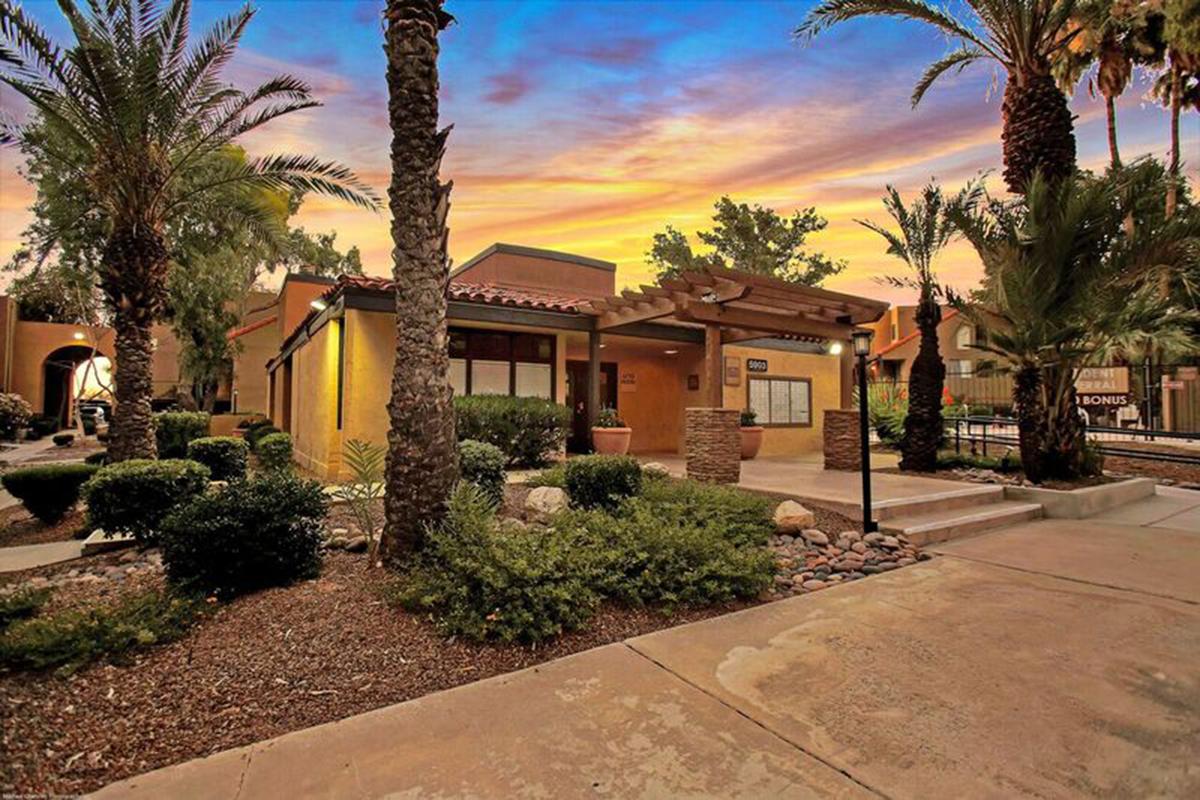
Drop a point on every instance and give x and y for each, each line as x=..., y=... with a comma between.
x=1023, y=36
x=132, y=110
x=422, y=462
x=1070, y=287
x=923, y=229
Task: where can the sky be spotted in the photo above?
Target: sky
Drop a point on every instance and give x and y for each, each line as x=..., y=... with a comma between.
x=588, y=125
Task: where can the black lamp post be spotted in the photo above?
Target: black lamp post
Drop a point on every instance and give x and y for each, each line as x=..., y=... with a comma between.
x=861, y=337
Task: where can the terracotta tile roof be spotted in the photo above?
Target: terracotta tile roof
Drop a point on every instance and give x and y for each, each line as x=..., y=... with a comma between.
x=484, y=293
x=903, y=340
x=253, y=326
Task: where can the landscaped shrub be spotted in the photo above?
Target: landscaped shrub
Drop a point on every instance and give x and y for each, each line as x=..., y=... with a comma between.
x=265, y=531
x=21, y=604
x=48, y=492
x=739, y=517
x=135, y=496
x=175, y=429
x=1009, y=462
x=70, y=639
x=225, y=456
x=257, y=433
x=275, y=451
x=602, y=481
x=555, y=476
x=42, y=425
x=490, y=581
x=483, y=465
x=887, y=407
x=99, y=458
x=526, y=429
x=15, y=413
x=63, y=439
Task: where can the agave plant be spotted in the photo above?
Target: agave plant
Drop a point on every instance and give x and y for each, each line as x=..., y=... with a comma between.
x=132, y=108
x=1023, y=36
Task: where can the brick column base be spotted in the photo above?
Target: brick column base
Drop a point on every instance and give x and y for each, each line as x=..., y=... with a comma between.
x=842, y=446
x=713, y=443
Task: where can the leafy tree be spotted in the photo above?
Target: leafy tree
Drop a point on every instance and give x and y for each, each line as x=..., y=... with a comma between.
x=751, y=239
x=923, y=229
x=1023, y=37
x=55, y=292
x=422, y=461
x=131, y=111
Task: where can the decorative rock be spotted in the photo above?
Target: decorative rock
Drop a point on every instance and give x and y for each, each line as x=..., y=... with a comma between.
x=858, y=547
x=904, y=562
x=791, y=517
x=357, y=545
x=342, y=532
x=853, y=536
x=891, y=542
x=813, y=585
x=337, y=543
x=656, y=467
x=814, y=536
x=873, y=538
x=546, y=500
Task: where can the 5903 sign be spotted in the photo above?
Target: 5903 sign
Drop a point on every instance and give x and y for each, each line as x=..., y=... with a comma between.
x=756, y=365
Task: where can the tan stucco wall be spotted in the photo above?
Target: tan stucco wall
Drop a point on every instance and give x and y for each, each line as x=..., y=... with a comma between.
x=33, y=342
x=250, y=368
x=315, y=438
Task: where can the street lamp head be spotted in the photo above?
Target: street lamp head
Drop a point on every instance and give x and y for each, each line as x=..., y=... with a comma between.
x=862, y=341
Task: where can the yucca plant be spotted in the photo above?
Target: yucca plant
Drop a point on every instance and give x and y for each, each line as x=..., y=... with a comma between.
x=364, y=489
x=1023, y=37
x=132, y=108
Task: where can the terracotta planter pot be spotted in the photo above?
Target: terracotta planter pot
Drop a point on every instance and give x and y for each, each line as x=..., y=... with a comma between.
x=611, y=441
x=751, y=441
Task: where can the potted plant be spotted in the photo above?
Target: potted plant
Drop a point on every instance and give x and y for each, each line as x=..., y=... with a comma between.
x=752, y=435
x=610, y=435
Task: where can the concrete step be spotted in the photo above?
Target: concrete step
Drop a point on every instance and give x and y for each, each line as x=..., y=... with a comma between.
x=944, y=525
x=969, y=496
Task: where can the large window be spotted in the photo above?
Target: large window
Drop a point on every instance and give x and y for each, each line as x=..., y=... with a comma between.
x=781, y=401
x=498, y=362
x=965, y=337
x=960, y=368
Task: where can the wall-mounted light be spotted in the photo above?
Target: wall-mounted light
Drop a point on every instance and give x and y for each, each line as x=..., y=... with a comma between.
x=319, y=304
x=78, y=336
x=835, y=348
x=603, y=346
x=671, y=352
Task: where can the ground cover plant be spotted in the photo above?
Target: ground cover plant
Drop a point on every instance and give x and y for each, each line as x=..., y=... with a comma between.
x=135, y=496
x=48, y=492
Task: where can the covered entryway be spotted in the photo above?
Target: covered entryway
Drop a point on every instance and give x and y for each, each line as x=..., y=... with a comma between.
x=73, y=374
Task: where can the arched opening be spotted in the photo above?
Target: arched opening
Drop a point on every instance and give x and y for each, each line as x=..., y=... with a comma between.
x=72, y=376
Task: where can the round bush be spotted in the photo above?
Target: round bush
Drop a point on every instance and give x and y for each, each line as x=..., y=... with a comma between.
x=63, y=439
x=266, y=531
x=483, y=465
x=173, y=430
x=275, y=451
x=48, y=492
x=602, y=481
x=15, y=413
x=225, y=456
x=257, y=432
x=135, y=496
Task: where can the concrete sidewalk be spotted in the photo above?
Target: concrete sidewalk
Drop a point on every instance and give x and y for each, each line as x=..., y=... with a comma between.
x=28, y=556
x=1053, y=659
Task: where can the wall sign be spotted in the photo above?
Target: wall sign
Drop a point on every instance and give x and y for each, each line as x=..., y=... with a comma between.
x=756, y=365
x=1102, y=380
x=1102, y=400
x=628, y=382
x=693, y=383
x=733, y=371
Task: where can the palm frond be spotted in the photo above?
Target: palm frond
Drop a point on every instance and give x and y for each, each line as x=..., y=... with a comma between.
x=956, y=60
x=296, y=173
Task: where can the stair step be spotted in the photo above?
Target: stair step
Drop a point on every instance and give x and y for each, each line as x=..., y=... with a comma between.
x=970, y=496
x=947, y=524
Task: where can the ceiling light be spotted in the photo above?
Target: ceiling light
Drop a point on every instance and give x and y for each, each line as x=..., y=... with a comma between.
x=603, y=346
x=835, y=348
x=77, y=336
x=319, y=304
x=671, y=352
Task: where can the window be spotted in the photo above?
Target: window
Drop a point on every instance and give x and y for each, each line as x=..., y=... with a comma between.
x=960, y=368
x=499, y=362
x=780, y=401
x=965, y=337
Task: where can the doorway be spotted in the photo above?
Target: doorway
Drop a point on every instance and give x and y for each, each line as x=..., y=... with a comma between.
x=580, y=440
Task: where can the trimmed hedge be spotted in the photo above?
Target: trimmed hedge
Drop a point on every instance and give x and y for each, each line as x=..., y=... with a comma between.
x=274, y=451
x=51, y=491
x=174, y=430
x=602, y=481
x=526, y=429
x=483, y=465
x=259, y=431
x=135, y=496
x=225, y=456
x=265, y=531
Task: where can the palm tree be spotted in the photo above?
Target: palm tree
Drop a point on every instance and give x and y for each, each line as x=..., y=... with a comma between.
x=1180, y=84
x=1023, y=36
x=923, y=230
x=422, y=463
x=131, y=110
x=1070, y=287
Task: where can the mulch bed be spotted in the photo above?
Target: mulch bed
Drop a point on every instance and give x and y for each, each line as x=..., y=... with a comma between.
x=76, y=452
x=19, y=527
x=1154, y=468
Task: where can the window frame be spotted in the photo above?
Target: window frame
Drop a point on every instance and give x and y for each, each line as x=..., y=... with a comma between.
x=512, y=361
x=969, y=330
x=789, y=379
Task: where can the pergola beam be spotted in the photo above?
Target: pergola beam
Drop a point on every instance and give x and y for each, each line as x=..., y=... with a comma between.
x=762, y=321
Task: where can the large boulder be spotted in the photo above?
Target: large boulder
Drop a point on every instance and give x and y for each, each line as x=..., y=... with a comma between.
x=793, y=518
x=546, y=500
x=656, y=468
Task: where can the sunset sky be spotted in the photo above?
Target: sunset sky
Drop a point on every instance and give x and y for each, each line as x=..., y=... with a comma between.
x=588, y=126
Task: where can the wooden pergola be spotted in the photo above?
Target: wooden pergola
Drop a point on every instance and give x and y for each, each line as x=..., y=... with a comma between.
x=731, y=306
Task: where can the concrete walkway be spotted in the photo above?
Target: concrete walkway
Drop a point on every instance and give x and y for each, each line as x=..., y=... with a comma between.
x=28, y=556
x=1051, y=659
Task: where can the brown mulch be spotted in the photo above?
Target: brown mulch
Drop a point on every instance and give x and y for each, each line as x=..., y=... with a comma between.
x=19, y=527
x=81, y=449
x=1154, y=468
x=952, y=475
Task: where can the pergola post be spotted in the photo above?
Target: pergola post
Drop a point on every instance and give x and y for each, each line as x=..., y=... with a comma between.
x=846, y=362
x=593, y=391
x=712, y=366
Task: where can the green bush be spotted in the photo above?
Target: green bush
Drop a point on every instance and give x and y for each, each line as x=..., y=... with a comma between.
x=736, y=516
x=483, y=465
x=526, y=429
x=41, y=425
x=490, y=581
x=555, y=476
x=887, y=408
x=135, y=496
x=257, y=433
x=265, y=531
x=175, y=429
x=70, y=639
x=225, y=456
x=48, y=492
x=275, y=451
x=602, y=481
x=21, y=604
x=1009, y=462
x=15, y=413
x=63, y=439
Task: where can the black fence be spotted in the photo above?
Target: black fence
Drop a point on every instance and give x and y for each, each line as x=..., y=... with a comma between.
x=977, y=434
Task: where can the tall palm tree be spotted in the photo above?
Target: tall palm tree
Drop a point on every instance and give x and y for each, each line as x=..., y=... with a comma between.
x=923, y=229
x=132, y=110
x=422, y=463
x=1023, y=36
x=1180, y=85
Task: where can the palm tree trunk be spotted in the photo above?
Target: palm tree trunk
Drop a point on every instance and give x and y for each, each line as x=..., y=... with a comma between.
x=1110, y=110
x=422, y=462
x=132, y=431
x=1038, y=133
x=1031, y=420
x=1063, y=446
x=923, y=426
x=1173, y=172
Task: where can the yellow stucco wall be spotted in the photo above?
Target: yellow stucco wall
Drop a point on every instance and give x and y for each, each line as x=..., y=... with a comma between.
x=315, y=438
x=33, y=342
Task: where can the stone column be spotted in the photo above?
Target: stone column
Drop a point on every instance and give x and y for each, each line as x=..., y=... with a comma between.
x=842, y=446
x=713, y=443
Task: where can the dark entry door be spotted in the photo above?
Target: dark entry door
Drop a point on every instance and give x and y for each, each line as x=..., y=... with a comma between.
x=580, y=440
